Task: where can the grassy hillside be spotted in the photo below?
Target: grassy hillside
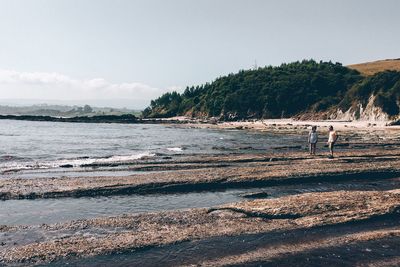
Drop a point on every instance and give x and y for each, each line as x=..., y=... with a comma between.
x=371, y=68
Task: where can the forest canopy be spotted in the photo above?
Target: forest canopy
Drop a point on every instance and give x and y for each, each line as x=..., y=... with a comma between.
x=276, y=92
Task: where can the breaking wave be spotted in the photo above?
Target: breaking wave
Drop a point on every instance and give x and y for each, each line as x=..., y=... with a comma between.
x=76, y=162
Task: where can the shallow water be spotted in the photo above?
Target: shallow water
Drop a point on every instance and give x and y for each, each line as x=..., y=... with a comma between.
x=48, y=211
x=38, y=211
x=27, y=146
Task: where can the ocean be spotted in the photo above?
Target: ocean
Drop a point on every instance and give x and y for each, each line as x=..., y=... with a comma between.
x=32, y=149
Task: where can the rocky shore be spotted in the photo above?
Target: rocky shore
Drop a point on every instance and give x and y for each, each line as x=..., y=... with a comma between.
x=282, y=216
x=347, y=214
x=213, y=173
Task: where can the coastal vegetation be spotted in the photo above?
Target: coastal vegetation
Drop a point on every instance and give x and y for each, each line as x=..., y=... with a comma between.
x=280, y=92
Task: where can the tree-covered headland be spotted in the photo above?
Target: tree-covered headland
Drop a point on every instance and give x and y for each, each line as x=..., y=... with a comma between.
x=280, y=92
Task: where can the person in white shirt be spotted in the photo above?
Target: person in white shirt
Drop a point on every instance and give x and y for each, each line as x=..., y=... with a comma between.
x=333, y=136
x=313, y=139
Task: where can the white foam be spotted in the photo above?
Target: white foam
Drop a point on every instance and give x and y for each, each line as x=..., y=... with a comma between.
x=73, y=162
x=124, y=158
x=175, y=149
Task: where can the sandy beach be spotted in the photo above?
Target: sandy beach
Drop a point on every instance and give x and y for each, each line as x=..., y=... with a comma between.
x=292, y=124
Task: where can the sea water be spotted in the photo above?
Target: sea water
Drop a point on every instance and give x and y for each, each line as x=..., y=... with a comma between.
x=39, y=148
x=30, y=150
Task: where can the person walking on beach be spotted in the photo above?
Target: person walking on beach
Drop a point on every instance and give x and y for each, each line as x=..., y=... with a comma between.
x=313, y=139
x=333, y=136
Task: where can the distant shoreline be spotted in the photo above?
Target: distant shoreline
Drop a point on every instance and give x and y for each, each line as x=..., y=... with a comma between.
x=124, y=119
x=78, y=119
x=275, y=125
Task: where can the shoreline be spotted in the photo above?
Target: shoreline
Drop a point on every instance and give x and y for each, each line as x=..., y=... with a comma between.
x=321, y=205
x=280, y=125
x=256, y=124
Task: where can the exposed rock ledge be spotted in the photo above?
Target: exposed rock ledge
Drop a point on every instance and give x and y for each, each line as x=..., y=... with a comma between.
x=228, y=172
x=85, y=238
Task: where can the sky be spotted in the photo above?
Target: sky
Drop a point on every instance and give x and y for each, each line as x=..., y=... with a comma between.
x=123, y=53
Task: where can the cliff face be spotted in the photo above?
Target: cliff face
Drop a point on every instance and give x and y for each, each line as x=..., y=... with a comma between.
x=368, y=112
x=376, y=98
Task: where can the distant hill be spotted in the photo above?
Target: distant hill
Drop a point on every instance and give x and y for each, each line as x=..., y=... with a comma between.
x=63, y=110
x=304, y=90
x=371, y=68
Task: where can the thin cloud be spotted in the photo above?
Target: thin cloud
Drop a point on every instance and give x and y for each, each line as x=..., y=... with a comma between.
x=51, y=85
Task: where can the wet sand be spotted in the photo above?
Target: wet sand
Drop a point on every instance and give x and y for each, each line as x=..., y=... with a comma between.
x=347, y=214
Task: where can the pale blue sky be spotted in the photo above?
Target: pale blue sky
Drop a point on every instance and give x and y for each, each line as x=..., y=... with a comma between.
x=114, y=49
